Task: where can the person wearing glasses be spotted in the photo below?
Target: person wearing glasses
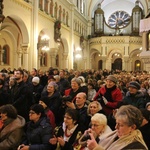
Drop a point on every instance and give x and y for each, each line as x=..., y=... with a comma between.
x=12, y=128
x=99, y=128
x=66, y=136
x=38, y=130
x=126, y=136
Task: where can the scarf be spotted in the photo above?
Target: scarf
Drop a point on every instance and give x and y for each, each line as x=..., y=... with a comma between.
x=108, y=94
x=109, y=144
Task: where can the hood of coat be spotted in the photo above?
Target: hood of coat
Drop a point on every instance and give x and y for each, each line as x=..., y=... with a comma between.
x=17, y=123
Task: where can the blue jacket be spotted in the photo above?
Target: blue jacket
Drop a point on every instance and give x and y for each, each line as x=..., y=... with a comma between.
x=38, y=135
x=136, y=100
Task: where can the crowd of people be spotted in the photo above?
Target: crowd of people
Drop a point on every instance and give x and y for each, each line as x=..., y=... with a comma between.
x=74, y=110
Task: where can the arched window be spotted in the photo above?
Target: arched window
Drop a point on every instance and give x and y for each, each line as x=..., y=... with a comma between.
x=60, y=13
x=51, y=8
x=46, y=7
x=67, y=19
x=64, y=16
x=55, y=13
x=41, y=4
x=5, y=54
x=137, y=65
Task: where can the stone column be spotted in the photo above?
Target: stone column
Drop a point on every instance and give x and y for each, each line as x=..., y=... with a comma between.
x=25, y=56
x=71, y=37
x=19, y=58
x=53, y=53
x=34, y=35
x=85, y=63
x=144, y=41
x=65, y=60
x=39, y=58
x=104, y=62
x=125, y=65
x=1, y=56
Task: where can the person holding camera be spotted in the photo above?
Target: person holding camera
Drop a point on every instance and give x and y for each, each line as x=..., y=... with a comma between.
x=99, y=128
x=70, y=99
x=81, y=106
x=126, y=136
x=66, y=136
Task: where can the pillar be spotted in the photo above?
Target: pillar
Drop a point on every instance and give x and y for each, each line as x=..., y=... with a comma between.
x=25, y=56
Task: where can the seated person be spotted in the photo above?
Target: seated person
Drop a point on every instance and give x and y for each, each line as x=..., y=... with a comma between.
x=99, y=128
x=81, y=106
x=11, y=132
x=68, y=134
x=145, y=127
x=38, y=130
x=126, y=136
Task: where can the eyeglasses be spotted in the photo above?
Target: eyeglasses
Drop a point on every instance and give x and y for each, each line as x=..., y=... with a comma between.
x=31, y=112
x=95, y=125
x=68, y=118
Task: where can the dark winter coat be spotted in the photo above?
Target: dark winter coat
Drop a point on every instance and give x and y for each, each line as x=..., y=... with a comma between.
x=136, y=100
x=20, y=99
x=38, y=134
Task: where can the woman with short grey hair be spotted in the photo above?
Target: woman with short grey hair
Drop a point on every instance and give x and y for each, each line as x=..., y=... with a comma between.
x=126, y=135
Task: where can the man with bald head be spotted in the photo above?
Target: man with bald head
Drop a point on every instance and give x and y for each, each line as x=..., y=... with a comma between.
x=81, y=107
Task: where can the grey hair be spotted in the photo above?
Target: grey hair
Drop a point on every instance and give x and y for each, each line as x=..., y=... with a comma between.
x=77, y=80
x=101, y=118
x=130, y=114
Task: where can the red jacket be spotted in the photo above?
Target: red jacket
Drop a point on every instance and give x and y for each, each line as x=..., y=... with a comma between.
x=116, y=97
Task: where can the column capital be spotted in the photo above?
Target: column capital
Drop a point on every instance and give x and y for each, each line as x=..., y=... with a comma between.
x=24, y=48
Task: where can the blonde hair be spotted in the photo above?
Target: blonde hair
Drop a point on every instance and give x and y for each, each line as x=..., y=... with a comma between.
x=99, y=107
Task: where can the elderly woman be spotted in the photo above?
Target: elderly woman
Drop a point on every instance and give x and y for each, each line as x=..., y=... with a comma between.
x=12, y=130
x=99, y=128
x=75, y=88
x=68, y=134
x=126, y=135
x=109, y=95
x=38, y=130
x=54, y=99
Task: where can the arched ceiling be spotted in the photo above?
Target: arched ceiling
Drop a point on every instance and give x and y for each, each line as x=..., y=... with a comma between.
x=110, y=6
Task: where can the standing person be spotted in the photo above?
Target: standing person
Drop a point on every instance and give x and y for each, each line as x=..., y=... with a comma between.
x=12, y=130
x=126, y=136
x=36, y=88
x=109, y=94
x=70, y=131
x=64, y=83
x=44, y=101
x=91, y=92
x=4, y=94
x=38, y=130
x=20, y=95
x=53, y=96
